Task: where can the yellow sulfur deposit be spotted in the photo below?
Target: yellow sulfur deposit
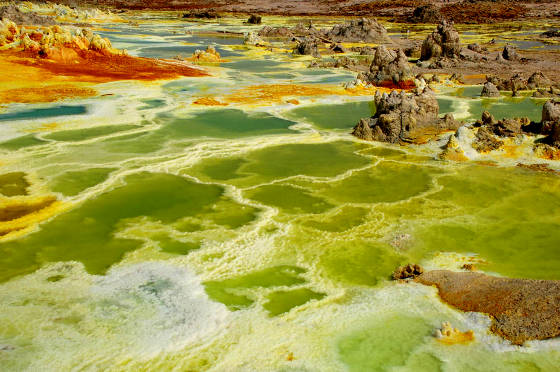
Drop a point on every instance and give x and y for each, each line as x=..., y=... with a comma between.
x=449, y=335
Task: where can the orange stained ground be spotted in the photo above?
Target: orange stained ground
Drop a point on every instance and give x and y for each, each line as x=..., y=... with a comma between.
x=209, y=101
x=279, y=93
x=45, y=93
x=93, y=66
x=29, y=79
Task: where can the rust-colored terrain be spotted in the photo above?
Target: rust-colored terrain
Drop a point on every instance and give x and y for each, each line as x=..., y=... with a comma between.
x=521, y=309
x=463, y=11
x=46, y=57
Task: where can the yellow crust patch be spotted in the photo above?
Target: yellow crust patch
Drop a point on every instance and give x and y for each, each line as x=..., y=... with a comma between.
x=262, y=95
x=20, y=215
x=451, y=336
x=208, y=101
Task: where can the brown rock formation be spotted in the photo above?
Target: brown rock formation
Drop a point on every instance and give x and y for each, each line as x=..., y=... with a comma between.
x=551, y=122
x=403, y=117
x=389, y=69
x=13, y=13
x=510, y=53
x=307, y=46
x=409, y=271
x=538, y=80
x=443, y=42
x=202, y=14
x=521, y=309
x=485, y=141
x=490, y=90
x=362, y=30
x=425, y=14
x=254, y=20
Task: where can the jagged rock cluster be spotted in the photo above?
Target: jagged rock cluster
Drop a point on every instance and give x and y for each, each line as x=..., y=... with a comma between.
x=299, y=30
x=400, y=116
x=509, y=53
x=50, y=41
x=551, y=33
x=14, y=13
x=251, y=38
x=254, y=19
x=210, y=55
x=307, y=46
x=340, y=62
x=517, y=83
x=204, y=14
x=490, y=90
x=363, y=30
x=425, y=14
x=489, y=134
x=389, y=68
x=409, y=271
x=551, y=123
x=443, y=49
x=443, y=42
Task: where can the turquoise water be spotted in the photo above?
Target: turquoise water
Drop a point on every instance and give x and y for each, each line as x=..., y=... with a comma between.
x=43, y=113
x=341, y=116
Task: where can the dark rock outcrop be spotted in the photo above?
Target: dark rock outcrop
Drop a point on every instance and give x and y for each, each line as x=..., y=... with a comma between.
x=337, y=48
x=551, y=111
x=307, y=46
x=15, y=15
x=254, y=19
x=488, y=134
x=537, y=167
x=475, y=48
x=551, y=33
x=283, y=32
x=365, y=50
x=485, y=141
x=345, y=62
x=547, y=93
x=363, y=130
x=513, y=84
x=521, y=309
x=490, y=90
x=538, y=80
x=509, y=127
x=551, y=123
x=487, y=119
x=443, y=42
x=403, y=117
x=361, y=30
x=425, y=14
x=510, y=53
x=205, y=14
x=409, y=271
x=389, y=68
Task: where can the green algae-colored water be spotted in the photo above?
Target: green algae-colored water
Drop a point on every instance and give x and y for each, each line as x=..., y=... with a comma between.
x=256, y=239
